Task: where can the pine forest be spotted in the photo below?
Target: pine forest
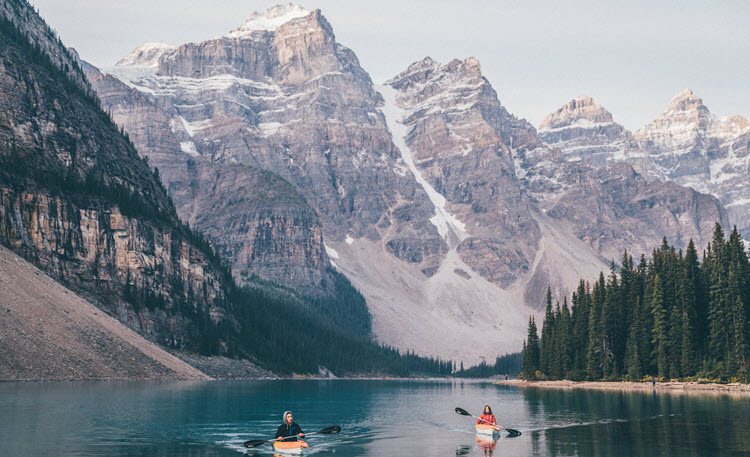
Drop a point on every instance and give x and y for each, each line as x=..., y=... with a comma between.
x=675, y=316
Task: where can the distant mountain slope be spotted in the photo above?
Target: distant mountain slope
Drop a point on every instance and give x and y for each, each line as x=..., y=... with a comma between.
x=686, y=144
x=584, y=130
x=47, y=332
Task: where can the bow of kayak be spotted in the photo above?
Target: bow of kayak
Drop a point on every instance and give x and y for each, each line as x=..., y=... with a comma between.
x=486, y=429
x=290, y=447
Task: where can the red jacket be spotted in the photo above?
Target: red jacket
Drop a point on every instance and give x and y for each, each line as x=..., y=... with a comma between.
x=490, y=418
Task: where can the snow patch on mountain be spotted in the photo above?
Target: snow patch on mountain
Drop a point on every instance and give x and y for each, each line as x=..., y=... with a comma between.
x=331, y=252
x=269, y=20
x=146, y=55
x=448, y=225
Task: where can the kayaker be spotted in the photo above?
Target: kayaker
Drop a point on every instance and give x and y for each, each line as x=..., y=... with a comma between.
x=289, y=430
x=487, y=417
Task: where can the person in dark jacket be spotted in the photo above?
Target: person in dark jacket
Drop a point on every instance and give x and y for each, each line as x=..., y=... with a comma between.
x=289, y=430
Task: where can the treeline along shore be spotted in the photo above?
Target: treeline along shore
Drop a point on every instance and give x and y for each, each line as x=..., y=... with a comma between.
x=673, y=317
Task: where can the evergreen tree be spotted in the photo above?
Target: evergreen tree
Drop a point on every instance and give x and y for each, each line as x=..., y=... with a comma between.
x=531, y=352
x=660, y=328
x=718, y=339
x=547, y=343
x=612, y=326
x=565, y=325
x=598, y=350
x=689, y=337
x=580, y=317
x=632, y=355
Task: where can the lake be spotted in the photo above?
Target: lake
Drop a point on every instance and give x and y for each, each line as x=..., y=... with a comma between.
x=378, y=418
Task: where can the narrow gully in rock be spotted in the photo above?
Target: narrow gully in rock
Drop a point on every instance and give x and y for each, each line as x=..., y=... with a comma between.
x=448, y=225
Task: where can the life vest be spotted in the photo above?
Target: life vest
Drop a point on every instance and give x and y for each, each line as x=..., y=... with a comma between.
x=490, y=418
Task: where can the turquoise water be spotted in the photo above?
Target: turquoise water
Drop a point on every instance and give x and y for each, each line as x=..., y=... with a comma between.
x=378, y=418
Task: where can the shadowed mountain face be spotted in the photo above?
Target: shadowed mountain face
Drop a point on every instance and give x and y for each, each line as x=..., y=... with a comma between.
x=446, y=211
x=78, y=202
x=686, y=144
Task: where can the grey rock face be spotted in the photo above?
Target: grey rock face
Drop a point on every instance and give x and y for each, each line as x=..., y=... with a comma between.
x=78, y=202
x=689, y=145
x=285, y=98
x=254, y=219
x=460, y=137
x=501, y=180
x=584, y=130
x=686, y=144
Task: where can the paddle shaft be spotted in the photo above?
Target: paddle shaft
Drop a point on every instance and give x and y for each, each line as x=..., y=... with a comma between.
x=496, y=425
x=295, y=436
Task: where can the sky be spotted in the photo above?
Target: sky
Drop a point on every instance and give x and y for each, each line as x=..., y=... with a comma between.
x=632, y=56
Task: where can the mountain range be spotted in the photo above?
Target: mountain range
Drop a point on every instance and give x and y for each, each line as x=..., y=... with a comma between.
x=686, y=144
x=448, y=213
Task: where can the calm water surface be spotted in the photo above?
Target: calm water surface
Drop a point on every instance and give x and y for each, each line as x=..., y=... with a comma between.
x=379, y=418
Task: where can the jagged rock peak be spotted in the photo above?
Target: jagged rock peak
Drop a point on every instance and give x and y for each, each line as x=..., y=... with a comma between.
x=423, y=69
x=269, y=20
x=146, y=55
x=683, y=102
x=581, y=110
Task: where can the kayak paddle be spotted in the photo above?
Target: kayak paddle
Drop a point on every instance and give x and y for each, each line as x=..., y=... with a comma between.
x=510, y=431
x=333, y=429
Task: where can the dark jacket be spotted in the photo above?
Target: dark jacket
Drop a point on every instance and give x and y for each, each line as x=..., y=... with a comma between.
x=285, y=430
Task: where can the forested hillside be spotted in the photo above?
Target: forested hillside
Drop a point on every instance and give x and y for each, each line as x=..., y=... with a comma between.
x=672, y=316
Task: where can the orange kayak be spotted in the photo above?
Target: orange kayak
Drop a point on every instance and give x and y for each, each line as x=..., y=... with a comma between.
x=289, y=447
x=487, y=429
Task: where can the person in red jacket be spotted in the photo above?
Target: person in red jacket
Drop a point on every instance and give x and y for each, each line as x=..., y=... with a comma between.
x=487, y=417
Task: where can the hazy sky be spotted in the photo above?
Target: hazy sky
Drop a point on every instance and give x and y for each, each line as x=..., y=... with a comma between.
x=630, y=56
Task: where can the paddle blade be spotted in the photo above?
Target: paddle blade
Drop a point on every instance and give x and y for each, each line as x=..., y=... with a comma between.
x=462, y=412
x=513, y=433
x=255, y=443
x=331, y=430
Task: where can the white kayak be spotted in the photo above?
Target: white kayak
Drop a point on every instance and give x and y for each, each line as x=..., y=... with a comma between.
x=487, y=429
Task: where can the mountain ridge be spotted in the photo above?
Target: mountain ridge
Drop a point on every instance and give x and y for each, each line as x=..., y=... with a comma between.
x=442, y=208
x=686, y=144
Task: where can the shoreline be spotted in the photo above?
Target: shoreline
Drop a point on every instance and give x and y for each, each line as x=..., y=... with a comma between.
x=660, y=387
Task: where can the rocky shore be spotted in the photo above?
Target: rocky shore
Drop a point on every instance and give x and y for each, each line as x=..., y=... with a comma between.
x=661, y=387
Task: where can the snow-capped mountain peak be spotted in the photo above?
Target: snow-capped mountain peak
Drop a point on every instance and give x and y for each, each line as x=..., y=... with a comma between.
x=269, y=20
x=146, y=55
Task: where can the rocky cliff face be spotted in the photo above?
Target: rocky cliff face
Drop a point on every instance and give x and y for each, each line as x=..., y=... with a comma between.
x=278, y=94
x=510, y=192
x=455, y=141
x=689, y=145
x=686, y=144
x=265, y=228
x=446, y=211
x=584, y=130
x=77, y=201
